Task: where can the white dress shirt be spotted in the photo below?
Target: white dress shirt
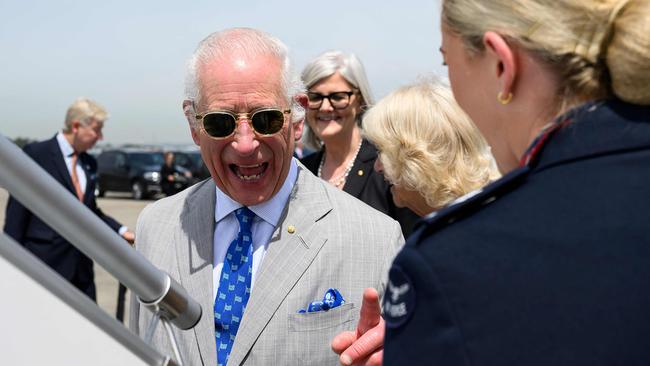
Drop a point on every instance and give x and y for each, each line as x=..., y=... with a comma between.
x=66, y=151
x=267, y=216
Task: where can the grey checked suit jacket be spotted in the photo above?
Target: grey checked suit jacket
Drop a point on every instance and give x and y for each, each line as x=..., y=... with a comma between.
x=339, y=242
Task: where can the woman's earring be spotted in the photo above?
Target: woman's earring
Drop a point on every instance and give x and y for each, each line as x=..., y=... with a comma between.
x=503, y=100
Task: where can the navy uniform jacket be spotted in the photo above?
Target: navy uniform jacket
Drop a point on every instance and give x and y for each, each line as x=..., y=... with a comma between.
x=366, y=184
x=43, y=241
x=548, y=266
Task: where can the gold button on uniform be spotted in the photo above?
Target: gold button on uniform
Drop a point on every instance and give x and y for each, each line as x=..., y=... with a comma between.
x=291, y=229
x=360, y=172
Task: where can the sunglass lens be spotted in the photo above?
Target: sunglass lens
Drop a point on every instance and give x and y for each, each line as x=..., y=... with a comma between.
x=268, y=122
x=219, y=124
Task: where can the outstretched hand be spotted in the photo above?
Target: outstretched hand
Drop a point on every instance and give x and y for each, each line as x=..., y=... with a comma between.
x=129, y=236
x=363, y=347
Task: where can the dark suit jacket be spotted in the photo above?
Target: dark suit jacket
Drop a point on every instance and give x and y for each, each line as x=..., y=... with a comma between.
x=40, y=239
x=548, y=266
x=369, y=186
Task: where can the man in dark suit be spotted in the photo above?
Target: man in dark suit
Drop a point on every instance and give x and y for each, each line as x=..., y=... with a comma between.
x=64, y=157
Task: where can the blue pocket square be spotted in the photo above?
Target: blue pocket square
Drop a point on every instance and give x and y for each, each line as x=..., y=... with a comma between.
x=332, y=299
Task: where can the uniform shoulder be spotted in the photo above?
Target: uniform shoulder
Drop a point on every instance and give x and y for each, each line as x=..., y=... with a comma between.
x=469, y=204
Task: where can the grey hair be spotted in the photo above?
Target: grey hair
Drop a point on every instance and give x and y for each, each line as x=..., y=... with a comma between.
x=352, y=70
x=84, y=110
x=248, y=43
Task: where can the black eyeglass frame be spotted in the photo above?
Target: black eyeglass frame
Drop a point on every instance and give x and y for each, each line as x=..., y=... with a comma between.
x=328, y=97
x=237, y=117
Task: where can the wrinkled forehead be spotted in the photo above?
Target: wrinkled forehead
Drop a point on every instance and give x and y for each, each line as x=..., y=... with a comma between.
x=239, y=81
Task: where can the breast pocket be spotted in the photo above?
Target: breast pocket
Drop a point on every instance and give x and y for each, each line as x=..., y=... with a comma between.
x=311, y=334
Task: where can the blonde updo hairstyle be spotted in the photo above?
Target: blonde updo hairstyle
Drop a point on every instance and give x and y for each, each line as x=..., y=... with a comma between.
x=598, y=48
x=428, y=144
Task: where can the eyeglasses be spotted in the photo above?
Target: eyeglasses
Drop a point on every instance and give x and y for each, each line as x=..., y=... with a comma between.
x=222, y=124
x=338, y=100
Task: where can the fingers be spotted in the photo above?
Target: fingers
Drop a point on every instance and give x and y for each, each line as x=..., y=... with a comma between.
x=370, y=311
x=342, y=341
x=363, y=347
x=129, y=236
x=366, y=346
x=376, y=359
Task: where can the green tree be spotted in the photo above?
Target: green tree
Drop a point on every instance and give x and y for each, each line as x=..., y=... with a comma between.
x=22, y=141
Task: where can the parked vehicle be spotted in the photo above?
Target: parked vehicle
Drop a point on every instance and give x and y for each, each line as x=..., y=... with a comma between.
x=191, y=160
x=129, y=170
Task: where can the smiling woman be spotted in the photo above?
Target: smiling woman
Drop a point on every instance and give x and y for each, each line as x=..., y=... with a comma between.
x=338, y=94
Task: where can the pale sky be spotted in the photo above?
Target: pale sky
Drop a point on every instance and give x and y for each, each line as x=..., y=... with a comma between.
x=130, y=55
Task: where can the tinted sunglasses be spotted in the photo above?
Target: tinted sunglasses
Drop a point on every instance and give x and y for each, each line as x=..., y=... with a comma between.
x=222, y=124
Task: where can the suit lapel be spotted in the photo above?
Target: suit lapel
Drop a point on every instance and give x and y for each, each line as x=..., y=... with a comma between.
x=195, y=253
x=59, y=165
x=85, y=166
x=364, y=163
x=287, y=258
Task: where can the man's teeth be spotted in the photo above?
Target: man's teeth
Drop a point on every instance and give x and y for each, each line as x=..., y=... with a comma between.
x=249, y=177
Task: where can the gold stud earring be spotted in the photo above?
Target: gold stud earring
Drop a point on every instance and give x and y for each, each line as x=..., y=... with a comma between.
x=503, y=100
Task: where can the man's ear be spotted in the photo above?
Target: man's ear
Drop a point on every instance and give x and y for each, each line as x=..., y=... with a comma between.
x=298, y=127
x=302, y=100
x=188, y=111
x=74, y=126
x=506, y=64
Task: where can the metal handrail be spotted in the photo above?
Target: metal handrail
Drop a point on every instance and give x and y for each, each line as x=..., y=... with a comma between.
x=46, y=277
x=50, y=201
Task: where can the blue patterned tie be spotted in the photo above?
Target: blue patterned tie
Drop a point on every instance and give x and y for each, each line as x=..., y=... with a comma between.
x=234, y=286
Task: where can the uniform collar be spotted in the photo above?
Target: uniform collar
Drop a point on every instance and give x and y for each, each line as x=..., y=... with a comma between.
x=593, y=129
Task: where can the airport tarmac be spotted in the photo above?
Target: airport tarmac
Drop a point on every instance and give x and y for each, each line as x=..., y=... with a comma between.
x=126, y=211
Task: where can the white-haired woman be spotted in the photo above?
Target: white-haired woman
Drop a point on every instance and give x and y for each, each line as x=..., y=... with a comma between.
x=338, y=93
x=429, y=150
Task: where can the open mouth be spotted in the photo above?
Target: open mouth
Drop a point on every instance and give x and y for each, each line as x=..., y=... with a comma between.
x=327, y=118
x=249, y=173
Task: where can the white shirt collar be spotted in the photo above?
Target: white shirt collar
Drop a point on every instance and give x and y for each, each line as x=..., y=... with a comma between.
x=269, y=211
x=64, y=145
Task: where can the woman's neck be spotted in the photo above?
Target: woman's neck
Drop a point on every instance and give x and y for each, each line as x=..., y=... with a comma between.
x=339, y=151
x=532, y=109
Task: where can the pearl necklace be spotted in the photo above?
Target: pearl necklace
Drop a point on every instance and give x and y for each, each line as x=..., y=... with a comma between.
x=340, y=180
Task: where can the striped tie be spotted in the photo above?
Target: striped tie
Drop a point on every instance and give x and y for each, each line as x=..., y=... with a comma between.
x=234, y=286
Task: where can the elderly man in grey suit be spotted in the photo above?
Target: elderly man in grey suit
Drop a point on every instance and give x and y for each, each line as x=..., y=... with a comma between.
x=278, y=258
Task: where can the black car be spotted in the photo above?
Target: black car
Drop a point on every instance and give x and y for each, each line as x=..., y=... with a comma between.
x=126, y=170
x=191, y=160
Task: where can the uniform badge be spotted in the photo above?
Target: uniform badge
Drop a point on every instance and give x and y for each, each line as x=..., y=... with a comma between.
x=399, y=300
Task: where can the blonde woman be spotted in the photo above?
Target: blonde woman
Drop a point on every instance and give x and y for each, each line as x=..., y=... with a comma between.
x=550, y=264
x=429, y=150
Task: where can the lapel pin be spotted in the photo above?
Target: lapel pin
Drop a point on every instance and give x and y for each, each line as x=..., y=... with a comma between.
x=360, y=172
x=291, y=229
